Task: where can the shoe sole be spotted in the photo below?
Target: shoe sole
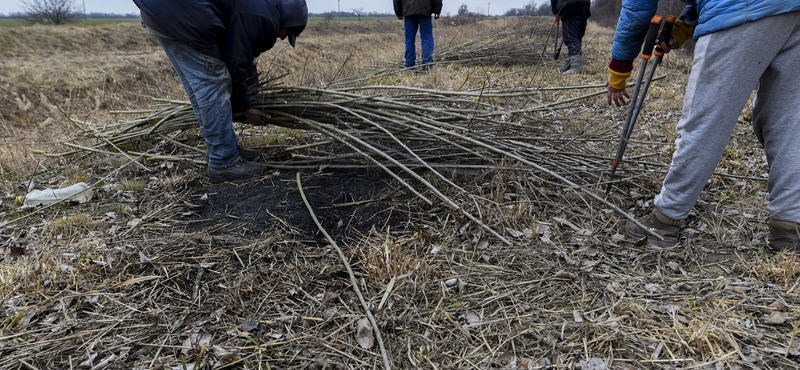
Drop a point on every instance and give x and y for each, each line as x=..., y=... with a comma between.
x=640, y=240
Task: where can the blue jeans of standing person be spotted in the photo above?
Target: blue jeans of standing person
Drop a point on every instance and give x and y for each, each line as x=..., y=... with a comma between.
x=208, y=85
x=425, y=26
x=573, y=26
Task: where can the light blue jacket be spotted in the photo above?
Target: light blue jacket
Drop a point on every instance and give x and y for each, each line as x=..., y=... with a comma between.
x=708, y=16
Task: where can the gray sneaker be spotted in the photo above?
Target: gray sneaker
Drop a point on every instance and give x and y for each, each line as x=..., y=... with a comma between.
x=662, y=225
x=784, y=236
x=240, y=170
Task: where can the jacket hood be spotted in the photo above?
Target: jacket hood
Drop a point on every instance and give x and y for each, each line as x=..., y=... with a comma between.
x=294, y=16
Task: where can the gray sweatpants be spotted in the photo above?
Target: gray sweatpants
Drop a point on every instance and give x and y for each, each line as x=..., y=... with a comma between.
x=728, y=65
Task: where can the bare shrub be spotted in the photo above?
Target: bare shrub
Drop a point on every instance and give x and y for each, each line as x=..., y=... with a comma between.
x=49, y=11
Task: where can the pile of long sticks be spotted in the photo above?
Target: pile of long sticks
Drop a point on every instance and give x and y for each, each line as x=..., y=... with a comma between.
x=410, y=134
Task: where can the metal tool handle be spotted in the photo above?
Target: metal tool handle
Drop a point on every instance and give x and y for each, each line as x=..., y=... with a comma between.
x=633, y=107
x=627, y=129
x=556, y=46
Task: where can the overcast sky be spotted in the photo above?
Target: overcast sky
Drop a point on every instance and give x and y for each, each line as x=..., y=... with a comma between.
x=494, y=7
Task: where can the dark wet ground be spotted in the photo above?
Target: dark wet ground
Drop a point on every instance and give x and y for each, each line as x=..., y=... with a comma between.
x=347, y=202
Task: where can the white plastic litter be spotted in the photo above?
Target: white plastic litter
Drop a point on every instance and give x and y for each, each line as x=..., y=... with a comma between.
x=80, y=192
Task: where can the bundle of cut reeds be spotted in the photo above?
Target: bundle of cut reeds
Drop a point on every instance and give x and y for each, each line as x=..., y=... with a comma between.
x=412, y=134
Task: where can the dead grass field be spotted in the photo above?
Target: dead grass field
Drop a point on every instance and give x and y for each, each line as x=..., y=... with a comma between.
x=164, y=270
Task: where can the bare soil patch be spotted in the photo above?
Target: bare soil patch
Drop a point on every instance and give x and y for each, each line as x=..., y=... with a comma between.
x=349, y=204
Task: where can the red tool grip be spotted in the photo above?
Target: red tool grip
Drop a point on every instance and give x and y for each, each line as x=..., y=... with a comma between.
x=650, y=40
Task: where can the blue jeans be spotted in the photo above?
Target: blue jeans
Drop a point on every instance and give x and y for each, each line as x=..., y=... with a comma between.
x=425, y=26
x=573, y=27
x=208, y=85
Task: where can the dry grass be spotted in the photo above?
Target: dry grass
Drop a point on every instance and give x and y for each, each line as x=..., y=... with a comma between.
x=119, y=281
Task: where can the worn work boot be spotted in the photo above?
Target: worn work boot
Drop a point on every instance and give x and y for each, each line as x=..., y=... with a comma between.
x=576, y=67
x=784, y=236
x=240, y=170
x=248, y=154
x=659, y=223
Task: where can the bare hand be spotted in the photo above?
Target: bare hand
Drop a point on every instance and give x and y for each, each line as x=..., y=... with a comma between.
x=436, y=16
x=666, y=47
x=400, y=18
x=256, y=117
x=617, y=96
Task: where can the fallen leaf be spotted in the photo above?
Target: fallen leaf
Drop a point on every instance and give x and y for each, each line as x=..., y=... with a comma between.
x=507, y=358
x=364, y=334
x=564, y=275
x=778, y=306
x=248, y=325
x=594, y=363
x=777, y=318
x=482, y=244
x=472, y=318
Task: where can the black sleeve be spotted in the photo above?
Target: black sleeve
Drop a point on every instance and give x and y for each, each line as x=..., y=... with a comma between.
x=437, y=6
x=554, y=6
x=398, y=8
x=247, y=36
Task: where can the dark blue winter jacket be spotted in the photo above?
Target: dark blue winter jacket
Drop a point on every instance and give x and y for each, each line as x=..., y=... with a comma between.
x=234, y=31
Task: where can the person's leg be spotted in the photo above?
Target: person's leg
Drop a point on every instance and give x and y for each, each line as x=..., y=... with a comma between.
x=426, y=39
x=208, y=85
x=726, y=68
x=776, y=120
x=571, y=30
x=411, y=26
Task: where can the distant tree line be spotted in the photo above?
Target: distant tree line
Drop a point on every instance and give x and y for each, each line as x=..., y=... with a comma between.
x=353, y=14
x=530, y=9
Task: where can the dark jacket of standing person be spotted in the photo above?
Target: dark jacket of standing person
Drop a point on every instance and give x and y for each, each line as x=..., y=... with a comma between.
x=404, y=8
x=234, y=31
x=559, y=5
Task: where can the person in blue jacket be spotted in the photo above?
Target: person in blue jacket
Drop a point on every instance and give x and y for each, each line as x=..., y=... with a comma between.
x=417, y=15
x=212, y=45
x=740, y=46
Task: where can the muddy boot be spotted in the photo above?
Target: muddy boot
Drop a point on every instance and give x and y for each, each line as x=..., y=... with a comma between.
x=659, y=223
x=576, y=67
x=784, y=236
x=240, y=170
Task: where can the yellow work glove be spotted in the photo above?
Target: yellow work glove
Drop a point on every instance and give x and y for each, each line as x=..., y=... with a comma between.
x=682, y=32
x=618, y=80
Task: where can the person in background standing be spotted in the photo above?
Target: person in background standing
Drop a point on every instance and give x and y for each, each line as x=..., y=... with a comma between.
x=417, y=15
x=573, y=15
x=212, y=45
